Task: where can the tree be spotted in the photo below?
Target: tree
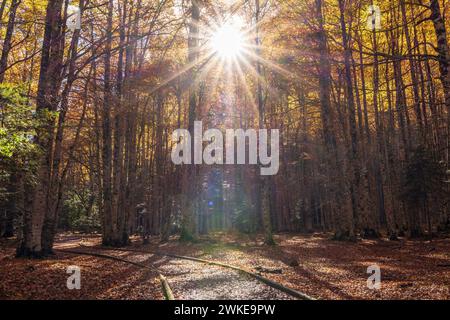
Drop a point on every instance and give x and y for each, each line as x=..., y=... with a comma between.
x=46, y=105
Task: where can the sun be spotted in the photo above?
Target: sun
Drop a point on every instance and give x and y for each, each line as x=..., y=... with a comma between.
x=228, y=40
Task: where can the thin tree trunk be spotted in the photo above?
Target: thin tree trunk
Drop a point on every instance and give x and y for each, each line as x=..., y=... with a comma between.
x=8, y=37
x=355, y=180
x=264, y=181
x=108, y=219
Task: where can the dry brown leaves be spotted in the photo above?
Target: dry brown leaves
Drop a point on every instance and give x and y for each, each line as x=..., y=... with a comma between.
x=100, y=278
x=325, y=269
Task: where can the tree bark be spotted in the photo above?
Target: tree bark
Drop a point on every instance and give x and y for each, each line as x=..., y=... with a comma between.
x=8, y=37
x=108, y=219
x=190, y=187
x=47, y=100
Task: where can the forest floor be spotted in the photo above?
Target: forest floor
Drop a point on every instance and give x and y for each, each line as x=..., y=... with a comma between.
x=312, y=264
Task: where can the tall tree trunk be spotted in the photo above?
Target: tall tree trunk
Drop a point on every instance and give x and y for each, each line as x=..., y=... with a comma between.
x=376, y=161
x=54, y=195
x=8, y=37
x=356, y=186
x=190, y=176
x=118, y=141
x=443, y=48
x=444, y=60
x=46, y=103
x=2, y=9
x=264, y=191
x=412, y=68
x=338, y=206
x=108, y=219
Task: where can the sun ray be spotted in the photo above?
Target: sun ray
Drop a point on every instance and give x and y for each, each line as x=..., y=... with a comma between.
x=255, y=74
x=241, y=75
x=205, y=71
x=183, y=70
x=270, y=64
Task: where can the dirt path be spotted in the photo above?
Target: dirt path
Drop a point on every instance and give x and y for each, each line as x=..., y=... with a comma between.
x=191, y=280
x=325, y=269
x=329, y=269
x=195, y=281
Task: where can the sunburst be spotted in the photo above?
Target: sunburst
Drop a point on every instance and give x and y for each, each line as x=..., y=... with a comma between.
x=228, y=40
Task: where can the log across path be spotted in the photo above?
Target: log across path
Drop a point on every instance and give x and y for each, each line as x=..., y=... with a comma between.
x=190, y=279
x=167, y=291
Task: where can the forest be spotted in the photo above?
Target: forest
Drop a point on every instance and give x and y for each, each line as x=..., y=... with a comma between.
x=92, y=93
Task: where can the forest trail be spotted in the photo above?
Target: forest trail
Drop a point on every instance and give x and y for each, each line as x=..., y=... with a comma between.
x=191, y=280
x=194, y=280
x=325, y=269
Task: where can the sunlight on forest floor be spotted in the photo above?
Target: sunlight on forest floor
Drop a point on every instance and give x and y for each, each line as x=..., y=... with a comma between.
x=312, y=264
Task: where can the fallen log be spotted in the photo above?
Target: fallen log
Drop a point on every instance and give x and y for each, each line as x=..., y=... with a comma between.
x=167, y=291
x=168, y=294
x=292, y=292
x=268, y=270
